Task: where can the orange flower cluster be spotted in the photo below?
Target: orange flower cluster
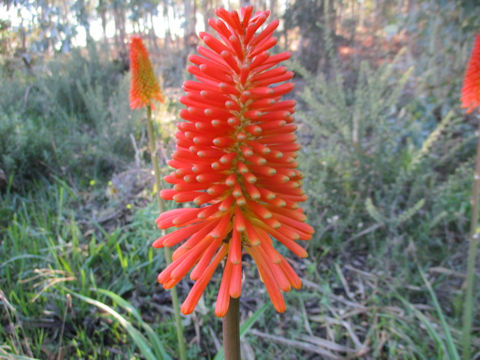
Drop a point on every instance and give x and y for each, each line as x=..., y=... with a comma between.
x=471, y=83
x=236, y=160
x=144, y=87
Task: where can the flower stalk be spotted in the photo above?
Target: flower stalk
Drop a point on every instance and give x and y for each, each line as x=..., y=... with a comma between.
x=167, y=252
x=231, y=331
x=471, y=101
x=472, y=252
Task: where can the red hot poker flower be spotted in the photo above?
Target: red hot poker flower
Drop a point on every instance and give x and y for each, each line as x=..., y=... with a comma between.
x=471, y=83
x=144, y=87
x=235, y=159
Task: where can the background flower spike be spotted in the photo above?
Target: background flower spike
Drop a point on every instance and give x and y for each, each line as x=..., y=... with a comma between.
x=143, y=86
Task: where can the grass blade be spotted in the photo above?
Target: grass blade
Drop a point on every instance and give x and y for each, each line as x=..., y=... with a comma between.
x=8, y=356
x=137, y=337
x=428, y=325
x=155, y=340
x=452, y=350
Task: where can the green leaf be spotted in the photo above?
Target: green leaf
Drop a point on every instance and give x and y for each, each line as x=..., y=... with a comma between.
x=373, y=211
x=407, y=214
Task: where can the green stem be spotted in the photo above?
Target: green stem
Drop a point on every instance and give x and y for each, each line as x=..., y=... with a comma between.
x=472, y=252
x=167, y=254
x=231, y=331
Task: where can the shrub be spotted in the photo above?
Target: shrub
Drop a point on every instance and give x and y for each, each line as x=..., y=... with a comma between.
x=69, y=117
x=376, y=170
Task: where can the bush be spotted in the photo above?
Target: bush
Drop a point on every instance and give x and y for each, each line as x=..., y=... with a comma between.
x=25, y=146
x=374, y=168
x=73, y=119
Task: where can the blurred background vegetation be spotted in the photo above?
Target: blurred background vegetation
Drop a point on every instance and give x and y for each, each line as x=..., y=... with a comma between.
x=386, y=150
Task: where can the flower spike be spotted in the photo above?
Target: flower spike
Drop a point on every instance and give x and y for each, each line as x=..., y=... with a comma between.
x=144, y=86
x=471, y=83
x=235, y=159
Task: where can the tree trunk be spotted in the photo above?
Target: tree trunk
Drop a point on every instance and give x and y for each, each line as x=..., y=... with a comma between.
x=285, y=28
x=274, y=8
x=190, y=37
x=152, y=33
x=207, y=12
x=311, y=41
x=168, y=35
x=102, y=11
x=120, y=35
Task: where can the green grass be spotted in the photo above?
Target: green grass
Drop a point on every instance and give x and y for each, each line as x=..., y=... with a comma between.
x=45, y=255
x=65, y=279
x=89, y=291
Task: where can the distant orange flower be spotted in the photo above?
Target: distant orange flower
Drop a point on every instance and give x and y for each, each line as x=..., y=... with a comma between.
x=471, y=83
x=235, y=159
x=144, y=87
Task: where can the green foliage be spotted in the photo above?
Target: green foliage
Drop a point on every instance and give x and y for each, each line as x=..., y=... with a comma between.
x=73, y=119
x=58, y=266
x=442, y=33
x=50, y=247
x=363, y=125
x=151, y=349
x=450, y=345
x=370, y=156
x=387, y=156
x=25, y=146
